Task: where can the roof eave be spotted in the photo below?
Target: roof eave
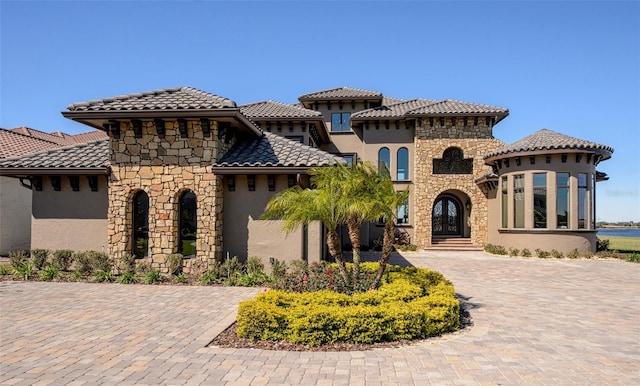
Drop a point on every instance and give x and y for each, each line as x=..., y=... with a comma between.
x=24, y=172
x=525, y=153
x=230, y=170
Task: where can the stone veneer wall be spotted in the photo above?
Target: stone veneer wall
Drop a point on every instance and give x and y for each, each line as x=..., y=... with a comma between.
x=164, y=168
x=430, y=143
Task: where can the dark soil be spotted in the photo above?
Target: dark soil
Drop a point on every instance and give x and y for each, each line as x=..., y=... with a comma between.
x=229, y=339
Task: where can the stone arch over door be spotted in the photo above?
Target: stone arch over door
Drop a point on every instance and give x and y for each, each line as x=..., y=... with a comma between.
x=450, y=215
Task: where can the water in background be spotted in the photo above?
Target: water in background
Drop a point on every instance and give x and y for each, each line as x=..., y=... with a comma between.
x=619, y=232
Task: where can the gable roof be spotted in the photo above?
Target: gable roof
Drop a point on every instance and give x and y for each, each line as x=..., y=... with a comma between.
x=396, y=110
x=178, y=98
x=14, y=143
x=341, y=93
x=273, y=151
x=59, y=137
x=547, y=140
x=454, y=107
x=86, y=158
x=271, y=109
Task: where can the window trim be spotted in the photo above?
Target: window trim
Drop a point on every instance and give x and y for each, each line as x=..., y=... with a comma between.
x=341, y=126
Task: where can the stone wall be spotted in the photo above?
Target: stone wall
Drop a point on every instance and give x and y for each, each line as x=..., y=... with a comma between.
x=164, y=168
x=430, y=143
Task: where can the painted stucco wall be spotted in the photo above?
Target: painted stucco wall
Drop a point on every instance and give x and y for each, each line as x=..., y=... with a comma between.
x=15, y=216
x=70, y=220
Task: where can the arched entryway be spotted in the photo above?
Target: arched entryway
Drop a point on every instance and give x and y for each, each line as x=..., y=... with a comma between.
x=447, y=216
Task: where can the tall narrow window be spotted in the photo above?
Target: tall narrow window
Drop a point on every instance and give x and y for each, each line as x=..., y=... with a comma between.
x=518, y=201
x=540, y=200
x=187, y=224
x=505, y=202
x=403, y=164
x=140, y=239
x=340, y=122
x=592, y=201
x=403, y=213
x=583, y=203
x=562, y=200
x=383, y=160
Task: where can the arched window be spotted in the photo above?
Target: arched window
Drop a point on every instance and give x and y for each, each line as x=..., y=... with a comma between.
x=187, y=229
x=384, y=160
x=403, y=164
x=140, y=237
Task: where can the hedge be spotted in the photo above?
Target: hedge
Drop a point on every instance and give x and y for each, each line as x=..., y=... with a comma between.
x=411, y=303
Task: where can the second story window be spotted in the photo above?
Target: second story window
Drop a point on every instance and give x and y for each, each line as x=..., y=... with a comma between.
x=340, y=122
x=403, y=164
x=384, y=159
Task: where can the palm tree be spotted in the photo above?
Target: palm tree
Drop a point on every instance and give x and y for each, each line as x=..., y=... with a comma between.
x=297, y=207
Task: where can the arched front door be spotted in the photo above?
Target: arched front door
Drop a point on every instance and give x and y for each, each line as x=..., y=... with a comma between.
x=447, y=217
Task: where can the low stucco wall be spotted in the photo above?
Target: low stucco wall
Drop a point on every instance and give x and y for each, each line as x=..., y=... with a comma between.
x=15, y=216
x=70, y=220
x=547, y=240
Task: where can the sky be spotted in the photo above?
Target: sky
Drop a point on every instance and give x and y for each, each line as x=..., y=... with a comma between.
x=568, y=66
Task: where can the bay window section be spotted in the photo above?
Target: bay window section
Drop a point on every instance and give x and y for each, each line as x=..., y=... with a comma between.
x=518, y=201
x=583, y=201
x=505, y=203
x=540, y=200
x=562, y=200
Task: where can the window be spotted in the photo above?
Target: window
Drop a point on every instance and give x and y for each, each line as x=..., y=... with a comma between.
x=592, y=200
x=518, y=201
x=583, y=203
x=505, y=203
x=187, y=220
x=403, y=213
x=140, y=239
x=295, y=138
x=340, y=122
x=540, y=200
x=562, y=200
x=351, y=158
x=383, y=160
x=403, y=164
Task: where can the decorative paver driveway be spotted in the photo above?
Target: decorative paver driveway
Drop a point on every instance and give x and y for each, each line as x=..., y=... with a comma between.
x=536, y=322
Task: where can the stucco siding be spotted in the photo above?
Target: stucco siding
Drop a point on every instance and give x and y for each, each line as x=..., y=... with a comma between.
x=15, y=216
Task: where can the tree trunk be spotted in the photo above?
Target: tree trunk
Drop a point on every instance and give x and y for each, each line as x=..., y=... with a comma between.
x=335, y=249
x=387, y=247
x=353, y=226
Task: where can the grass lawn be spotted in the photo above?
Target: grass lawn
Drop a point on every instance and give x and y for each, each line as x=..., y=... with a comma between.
x=623, y=244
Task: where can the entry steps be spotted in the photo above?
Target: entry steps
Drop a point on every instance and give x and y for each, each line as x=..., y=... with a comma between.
x=439, y=243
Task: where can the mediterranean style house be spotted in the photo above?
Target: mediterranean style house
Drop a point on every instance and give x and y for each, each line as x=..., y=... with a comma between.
x=185, y=171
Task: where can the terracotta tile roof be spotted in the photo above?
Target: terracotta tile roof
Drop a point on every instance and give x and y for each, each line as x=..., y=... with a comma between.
x=550, y=140
x=272, y=150
x=391, y=100
x=89, y=136
x=93, y=154
x=13, y=144
x=451, y=107
x=57, y=137
x=272, y=109
x=341, y=93
x=179, y=98
x=397, y=110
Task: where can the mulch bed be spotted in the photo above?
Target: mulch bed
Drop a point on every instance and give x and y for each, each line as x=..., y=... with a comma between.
x=229, y=339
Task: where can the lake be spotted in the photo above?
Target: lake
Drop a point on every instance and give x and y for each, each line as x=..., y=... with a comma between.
x=619, y=232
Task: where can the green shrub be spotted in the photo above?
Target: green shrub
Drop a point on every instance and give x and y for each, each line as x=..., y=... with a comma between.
x=88, y=262
x=212, y=276
x=514, y=252
x=174, y=263
x=152, y=277
x=542, y=254
x=411, y=303
x=17, y=257
x=101, y=275
x=634, y=258
x=76, y=276
x=602, y=244
x=278, y=269
x=23, y=270
x=230, y=267
x=143, y=267
x=62, y=259
x=5, y=269
x=127, y=278
x=127, y=264
x=39, y=257
x=557, y=254
x=495, y=249
x=526, y=253
x=406, y=247
x=574, y=254
x=50, y=272
x=181, y=278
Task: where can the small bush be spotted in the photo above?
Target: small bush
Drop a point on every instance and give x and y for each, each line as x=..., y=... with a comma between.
x=278, y=269
x=514, y=252
x=174, y=263
x=212, y=276
x=76, y=276
x=152, y=277
x=602, y=244
x=573, y=254
x=23, y=270
x=62, y=259
x=557, y=254
x=406, y=247
x=495, y=249
x=542, y=254
x=255, y=266
x=5, y=269
x=526, y=253
x=230, y=267
x=127, y=264
x=181, y=278
x=50, y=272
x=101, y=275
x=39, y=257
x=143, y=267
x=16, y=258
x=634, y=258
x=127, y=278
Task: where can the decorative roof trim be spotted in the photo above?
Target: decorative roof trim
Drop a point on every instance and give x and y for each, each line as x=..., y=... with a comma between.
x=54, y=171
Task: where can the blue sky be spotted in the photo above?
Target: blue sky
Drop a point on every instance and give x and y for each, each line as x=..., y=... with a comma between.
x=571, y=67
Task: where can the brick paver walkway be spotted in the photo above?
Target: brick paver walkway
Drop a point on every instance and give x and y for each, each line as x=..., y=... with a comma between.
x=536, y=322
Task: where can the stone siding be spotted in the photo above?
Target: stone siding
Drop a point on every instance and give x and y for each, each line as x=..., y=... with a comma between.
x=164, y=168
x=430, y=143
